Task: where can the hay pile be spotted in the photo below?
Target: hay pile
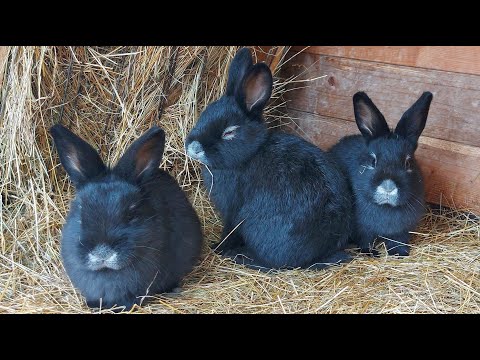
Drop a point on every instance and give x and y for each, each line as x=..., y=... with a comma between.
x=111, y=96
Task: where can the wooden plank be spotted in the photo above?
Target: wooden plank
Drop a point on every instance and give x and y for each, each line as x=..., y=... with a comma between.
x=454, y=113
x=451, y=171
x=463, y=59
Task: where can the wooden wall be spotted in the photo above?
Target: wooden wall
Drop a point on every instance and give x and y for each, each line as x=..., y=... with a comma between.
x=394, y=77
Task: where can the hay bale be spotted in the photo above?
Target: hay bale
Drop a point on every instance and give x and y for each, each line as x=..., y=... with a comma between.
x=112, y=95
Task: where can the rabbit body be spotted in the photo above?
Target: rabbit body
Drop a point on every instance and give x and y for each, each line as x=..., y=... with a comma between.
x=385, y=179
x=295, y=215
x=283, y=201
x=131, y=231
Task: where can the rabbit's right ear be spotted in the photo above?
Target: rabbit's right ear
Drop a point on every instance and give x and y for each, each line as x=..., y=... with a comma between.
x=238, y=68
x=80, y=160
x=370, y=120
x=143, y=156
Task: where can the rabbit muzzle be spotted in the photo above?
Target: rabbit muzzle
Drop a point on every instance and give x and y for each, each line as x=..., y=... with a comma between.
x=386, y=193
x=103, y=257
x=195, y=151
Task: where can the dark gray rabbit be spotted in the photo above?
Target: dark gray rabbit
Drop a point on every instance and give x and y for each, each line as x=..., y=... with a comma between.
x=386, y=181
x=287, y=197
x=130, y=230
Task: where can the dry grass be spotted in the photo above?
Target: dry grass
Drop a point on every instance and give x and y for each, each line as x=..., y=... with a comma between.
x=112, y=95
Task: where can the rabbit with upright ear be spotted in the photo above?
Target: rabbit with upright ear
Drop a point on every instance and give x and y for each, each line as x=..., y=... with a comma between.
x=283, y=201
x=131, y=231
x=386, y=181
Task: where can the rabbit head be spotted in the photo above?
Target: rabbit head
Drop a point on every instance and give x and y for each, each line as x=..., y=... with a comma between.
x=111, y=220
x=389, y=174
x=231, y=129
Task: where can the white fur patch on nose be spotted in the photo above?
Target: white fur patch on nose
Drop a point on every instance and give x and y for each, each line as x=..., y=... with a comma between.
x=103, y=256
x=195, y=151
x=387, y=187
x=386, y=193
x=112, y=258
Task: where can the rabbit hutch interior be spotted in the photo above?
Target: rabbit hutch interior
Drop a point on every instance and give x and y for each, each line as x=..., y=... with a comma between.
x=110, y=96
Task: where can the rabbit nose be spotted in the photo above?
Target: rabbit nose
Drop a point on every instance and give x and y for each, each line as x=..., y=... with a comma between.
x=102, y=252
x=102, y=256
x=195, y=150
x=388, y=187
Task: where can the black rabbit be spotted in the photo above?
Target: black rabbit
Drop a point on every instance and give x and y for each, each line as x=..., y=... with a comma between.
x=130, y=231
x=387, y=183
x=283, y=201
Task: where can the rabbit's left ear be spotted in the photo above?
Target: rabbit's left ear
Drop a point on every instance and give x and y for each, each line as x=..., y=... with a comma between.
x=251, y=85
x=143, y=156
x=257, y=88
x=413, y=120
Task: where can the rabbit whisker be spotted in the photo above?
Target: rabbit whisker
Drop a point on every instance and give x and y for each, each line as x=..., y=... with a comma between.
x=414, y=197
x=148, y=247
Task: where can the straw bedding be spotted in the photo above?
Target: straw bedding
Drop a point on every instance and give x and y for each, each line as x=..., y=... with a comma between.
x=110, y=96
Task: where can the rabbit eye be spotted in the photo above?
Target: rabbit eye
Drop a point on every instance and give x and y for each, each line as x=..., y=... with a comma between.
x=373, y=161
x=229, y=132
x=132, y=210
x=408, y=163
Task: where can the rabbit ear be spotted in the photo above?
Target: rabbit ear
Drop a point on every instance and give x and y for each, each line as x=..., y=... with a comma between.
x=143, y=156
x=251, y=85
x=370, y=120
x=81, y=162
x=413, y=120
x=256, y=89
x=238, y=68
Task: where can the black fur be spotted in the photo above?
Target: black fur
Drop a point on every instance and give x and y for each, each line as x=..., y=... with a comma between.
x=136, y=209
x=293, y=201
x=365, y=173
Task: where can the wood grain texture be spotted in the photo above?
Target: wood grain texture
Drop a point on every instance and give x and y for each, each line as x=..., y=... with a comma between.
x=454, y=113
x=451, y=171
x=463, y=59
